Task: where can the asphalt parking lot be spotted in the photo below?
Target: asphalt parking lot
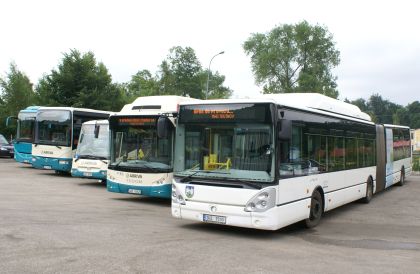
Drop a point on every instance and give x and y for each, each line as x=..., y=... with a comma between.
x=51, y=223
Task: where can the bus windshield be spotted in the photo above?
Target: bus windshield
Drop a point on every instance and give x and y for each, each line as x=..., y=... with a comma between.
x=53, y=127
x=91, y=147
x=230, y=142
x=26, y=122
x=136, y=147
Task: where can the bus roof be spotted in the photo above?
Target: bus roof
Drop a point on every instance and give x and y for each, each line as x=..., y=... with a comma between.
x=95, y=122
x=312, y=102
x=395, y=126
x=155, y=105
x=30, y=109
x=75, y=109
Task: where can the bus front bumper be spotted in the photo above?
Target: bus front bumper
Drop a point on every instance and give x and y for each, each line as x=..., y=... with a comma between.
x=21, y=157
x=162, y=191
x=59, y=164
x=272, y=219
x=100, y=175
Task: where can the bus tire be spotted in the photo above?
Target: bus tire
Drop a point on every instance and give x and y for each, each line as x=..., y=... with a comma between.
x=317, y=209
x=369, y=192
x=402, y=178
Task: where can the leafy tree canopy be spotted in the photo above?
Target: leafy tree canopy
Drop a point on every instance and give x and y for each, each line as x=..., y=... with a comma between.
x=180, y=73
x=16, y=93
x=80, y=81
x=294, y=58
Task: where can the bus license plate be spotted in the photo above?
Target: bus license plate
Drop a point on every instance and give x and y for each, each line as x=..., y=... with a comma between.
x=134, y=191
x=214, y=219
x=87, y=174
x=47, y=167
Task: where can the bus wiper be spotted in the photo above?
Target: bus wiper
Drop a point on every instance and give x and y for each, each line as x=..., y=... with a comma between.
x=246, y=182
x=58, y=147
x=184, y=179
x=91, y=157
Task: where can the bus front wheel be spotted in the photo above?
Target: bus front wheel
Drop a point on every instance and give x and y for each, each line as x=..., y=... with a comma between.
x=316, y=211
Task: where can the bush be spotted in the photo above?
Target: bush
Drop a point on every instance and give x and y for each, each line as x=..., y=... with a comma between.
x=416, y=162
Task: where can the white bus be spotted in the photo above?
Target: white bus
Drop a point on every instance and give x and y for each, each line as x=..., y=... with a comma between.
x=273, y=161
x=57, y=132
x=141, y=160
x=92, y=153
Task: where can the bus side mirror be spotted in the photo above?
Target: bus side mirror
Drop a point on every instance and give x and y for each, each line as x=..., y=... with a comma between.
x=163, y=127
x=96, y=132
x=285, y=130
x=10, y=119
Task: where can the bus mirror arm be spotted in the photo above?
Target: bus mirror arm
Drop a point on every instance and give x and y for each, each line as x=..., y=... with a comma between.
x=285, y=129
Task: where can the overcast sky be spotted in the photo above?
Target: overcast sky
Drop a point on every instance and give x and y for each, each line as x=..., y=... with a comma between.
x=379, y=41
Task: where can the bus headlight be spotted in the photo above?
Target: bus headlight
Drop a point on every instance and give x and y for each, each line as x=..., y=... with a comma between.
x=176, y=196
x=262, y=201
x=61, y=162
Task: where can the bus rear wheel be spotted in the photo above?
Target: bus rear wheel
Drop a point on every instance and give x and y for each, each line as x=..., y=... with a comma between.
x=316, y=210
x=402, y=178
x=369, y=192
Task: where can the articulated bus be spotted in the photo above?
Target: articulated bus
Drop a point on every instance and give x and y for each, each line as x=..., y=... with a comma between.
x=92, y=153
x=280, y=159
x=141, y=160
x=57, y=132
x=25, y=134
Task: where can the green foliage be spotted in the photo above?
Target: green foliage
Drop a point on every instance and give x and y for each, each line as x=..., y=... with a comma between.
x=179, y=74
x=16, y=93
x=216, y=88
x=80, y=81
x=416, y=162
x=142, y=84
x=383, y=111
x=294, y=58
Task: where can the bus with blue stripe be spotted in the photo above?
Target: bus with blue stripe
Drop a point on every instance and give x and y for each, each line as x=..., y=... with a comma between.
x=92, y=153
x=57, y=132
x=25, y=134
x=141, y=160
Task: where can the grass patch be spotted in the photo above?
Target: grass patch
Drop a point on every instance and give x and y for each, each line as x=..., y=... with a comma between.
x=416, y=162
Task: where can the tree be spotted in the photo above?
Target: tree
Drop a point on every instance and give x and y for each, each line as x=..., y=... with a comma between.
x=80, y=82
x=216, y=88
x=181, y=74
x=16, y=93
x=294, y=58
x=142, y=84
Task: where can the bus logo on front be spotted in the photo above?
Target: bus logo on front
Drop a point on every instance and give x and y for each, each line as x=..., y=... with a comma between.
x=189, y=191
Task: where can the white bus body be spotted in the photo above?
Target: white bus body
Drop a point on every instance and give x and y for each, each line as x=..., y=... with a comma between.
x=56, y=135
x=92, y=155
x=270, y=162
x=141, y=161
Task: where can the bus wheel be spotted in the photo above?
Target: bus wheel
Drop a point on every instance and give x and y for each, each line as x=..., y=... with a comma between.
x=369, y=192
x=402, y=179
x=316, y=210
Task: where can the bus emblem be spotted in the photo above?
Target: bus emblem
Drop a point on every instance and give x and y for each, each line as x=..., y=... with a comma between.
x=189, y=191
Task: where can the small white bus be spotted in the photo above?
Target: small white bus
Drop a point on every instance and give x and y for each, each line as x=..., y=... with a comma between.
x=92, y=153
